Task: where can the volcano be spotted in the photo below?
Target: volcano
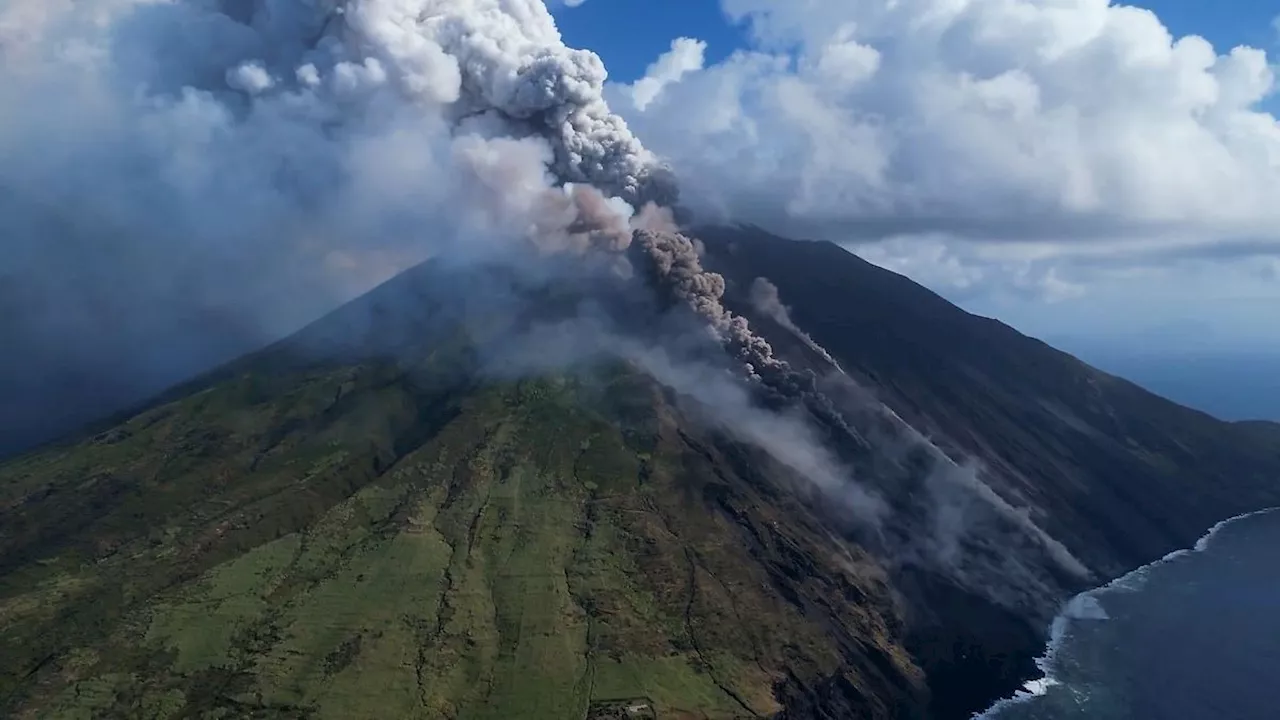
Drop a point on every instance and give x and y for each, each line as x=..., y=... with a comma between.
x=438, y=504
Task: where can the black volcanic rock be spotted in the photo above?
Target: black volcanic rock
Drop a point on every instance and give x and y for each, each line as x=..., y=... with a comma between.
x=1122, y=475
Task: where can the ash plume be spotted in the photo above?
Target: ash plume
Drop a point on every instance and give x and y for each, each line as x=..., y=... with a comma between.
x=258, y=162
x=329, y=127
x=515, y=69
x=172, y=166
x=276, y=155
x=676, y=269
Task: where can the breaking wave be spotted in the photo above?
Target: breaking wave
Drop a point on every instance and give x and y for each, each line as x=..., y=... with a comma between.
x=1087, y=607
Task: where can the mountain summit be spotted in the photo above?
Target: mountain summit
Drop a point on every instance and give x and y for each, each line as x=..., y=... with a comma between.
x=476, y=493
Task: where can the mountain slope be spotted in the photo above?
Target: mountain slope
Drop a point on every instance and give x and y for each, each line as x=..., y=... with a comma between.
x=404, y=539
x=371, y=520
x=1264, y=431
x=1120, y=475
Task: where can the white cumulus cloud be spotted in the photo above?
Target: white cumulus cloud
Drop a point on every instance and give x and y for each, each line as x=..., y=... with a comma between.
x=685, y=56
x=1055, y=121
x=1016, y=144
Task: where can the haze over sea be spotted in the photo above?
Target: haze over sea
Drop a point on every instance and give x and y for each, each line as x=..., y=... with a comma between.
x=1195, y=636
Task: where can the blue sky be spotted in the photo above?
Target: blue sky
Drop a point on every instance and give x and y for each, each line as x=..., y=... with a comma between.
x=630, y=34
x=1225, y=23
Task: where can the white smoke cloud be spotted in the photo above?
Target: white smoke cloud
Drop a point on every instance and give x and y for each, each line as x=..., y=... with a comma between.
x=334, y=125
x=195, y=128
x=164, y=160
x=788, y=438
x=1062, y=122
x=257, y=161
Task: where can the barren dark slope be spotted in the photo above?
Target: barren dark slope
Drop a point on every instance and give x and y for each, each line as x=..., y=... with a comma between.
x=1122, y=476
x=1261, y=430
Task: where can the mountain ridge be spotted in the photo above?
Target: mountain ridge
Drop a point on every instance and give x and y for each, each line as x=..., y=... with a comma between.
x=241, y=506
x=894, y=359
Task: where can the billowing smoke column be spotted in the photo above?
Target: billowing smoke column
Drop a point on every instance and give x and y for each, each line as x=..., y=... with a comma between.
x=677, y=270
x=498, y=69
x=250, y=164
x=516, y=78
x=225, y=153
x=515, y=69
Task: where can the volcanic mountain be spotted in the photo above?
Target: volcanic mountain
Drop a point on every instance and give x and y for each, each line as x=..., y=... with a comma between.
x=474, y=493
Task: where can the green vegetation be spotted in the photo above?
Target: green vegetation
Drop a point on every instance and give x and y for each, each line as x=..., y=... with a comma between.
x=375, y=541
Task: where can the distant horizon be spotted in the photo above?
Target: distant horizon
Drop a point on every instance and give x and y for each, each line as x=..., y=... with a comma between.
x=1186, y=361
x=1230, y=386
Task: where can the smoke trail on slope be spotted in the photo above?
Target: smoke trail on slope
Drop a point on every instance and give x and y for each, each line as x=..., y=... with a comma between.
x=764, y=297
x=720, y=399
x=961, y=514
x=676, y=268
x=947, y=518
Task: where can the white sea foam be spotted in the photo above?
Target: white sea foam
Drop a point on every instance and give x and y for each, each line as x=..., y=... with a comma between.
x=1203, y=543
x=1087, y=607
x=1035, y=688
x=1135, y=580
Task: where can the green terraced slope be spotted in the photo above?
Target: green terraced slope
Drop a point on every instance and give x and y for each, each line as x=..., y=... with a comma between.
x=375, y=542
x=367, y=521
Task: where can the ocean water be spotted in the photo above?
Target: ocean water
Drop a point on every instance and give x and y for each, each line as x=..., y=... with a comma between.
x=1195, y=636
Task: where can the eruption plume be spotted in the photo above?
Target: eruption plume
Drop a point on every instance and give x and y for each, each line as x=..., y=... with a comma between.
x=677, y=271
x=256, y=162
x=250, y=164
x=515, y=69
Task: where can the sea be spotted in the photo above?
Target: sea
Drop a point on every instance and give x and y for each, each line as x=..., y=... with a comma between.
x=1194, y=636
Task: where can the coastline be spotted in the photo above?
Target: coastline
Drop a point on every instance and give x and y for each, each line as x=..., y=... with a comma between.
x=1085, y=606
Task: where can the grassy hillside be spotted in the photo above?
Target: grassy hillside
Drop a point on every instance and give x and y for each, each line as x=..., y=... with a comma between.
x=370, y=541
x=360, y=522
